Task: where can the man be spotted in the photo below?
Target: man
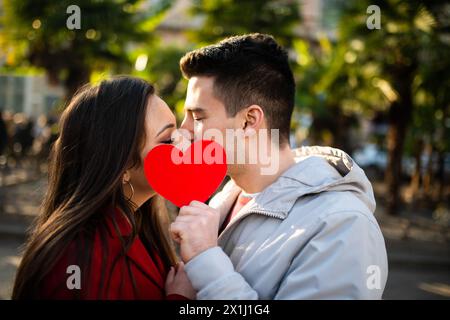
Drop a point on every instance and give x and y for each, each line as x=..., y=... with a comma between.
x=305, y=230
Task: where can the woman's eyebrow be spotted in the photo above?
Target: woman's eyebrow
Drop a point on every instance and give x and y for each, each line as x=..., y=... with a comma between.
x=167, y=126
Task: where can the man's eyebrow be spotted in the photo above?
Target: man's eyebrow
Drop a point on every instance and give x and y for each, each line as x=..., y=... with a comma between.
x=167, y=126
x=195, y=109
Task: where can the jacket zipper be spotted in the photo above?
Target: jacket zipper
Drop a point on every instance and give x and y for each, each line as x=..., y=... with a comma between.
x=246, y=214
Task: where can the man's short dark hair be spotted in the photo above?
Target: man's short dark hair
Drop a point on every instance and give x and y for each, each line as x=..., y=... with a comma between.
x=248, y=69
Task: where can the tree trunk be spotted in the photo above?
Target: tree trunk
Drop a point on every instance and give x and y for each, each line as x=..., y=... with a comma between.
x=336, y=123
x=400, y=114
x=441, y=176
x=416, y=177
x=441, y=151
x=428, y=175
x=342, y=125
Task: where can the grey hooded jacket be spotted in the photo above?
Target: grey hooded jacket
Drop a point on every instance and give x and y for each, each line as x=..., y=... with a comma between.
x=309, y=235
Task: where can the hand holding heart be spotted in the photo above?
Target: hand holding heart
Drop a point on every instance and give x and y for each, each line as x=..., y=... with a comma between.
x=195, y=229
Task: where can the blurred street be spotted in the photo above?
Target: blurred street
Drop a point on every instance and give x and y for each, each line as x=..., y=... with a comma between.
x=419, y=254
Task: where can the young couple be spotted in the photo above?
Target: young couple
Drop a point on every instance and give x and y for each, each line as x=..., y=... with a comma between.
x=305, y=231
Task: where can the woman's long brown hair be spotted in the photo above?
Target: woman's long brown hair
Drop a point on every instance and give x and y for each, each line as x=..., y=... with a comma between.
x=102, y=132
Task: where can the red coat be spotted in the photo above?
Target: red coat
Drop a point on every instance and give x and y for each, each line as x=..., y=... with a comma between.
x=149, y=274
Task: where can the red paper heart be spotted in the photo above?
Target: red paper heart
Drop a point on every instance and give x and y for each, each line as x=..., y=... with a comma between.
x=183, y=177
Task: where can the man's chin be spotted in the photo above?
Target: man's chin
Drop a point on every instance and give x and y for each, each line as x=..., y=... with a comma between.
x=234, y=170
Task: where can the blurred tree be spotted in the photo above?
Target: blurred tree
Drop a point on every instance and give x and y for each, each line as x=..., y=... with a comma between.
x=223, y=18
x=163, y=70
x=400, y=69
x=35, y=33
x=333, y=90
x=398, y=50
x=430, y=127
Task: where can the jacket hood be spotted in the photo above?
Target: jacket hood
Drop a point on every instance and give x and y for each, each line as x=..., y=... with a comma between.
x=317, y=169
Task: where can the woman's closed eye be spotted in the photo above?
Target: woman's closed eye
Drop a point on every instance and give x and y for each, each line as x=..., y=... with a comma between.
x=170, y=141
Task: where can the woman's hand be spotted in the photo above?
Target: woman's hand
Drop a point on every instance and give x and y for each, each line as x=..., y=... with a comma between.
x=177, y=282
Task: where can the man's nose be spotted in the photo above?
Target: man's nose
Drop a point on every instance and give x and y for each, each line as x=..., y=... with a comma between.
x=187, y=127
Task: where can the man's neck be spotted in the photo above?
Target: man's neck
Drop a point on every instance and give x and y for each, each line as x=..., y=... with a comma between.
x=250, y=179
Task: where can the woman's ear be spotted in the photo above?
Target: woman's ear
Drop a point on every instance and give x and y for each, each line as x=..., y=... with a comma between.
x=254, y=119
x=126, y=177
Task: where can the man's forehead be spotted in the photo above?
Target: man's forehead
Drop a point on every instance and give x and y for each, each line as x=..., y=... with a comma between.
x=201, y=85
x=200, y=92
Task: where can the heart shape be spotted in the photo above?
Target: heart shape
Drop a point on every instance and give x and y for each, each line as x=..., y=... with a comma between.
x=182, y=177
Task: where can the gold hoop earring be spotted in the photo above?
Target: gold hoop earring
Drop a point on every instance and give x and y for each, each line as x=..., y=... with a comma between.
x=132, y=190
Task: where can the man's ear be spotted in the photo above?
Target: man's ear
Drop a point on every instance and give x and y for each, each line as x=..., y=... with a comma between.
x=254, y=119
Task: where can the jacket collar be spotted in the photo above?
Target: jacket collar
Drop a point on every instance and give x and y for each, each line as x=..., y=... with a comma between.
x=118, y=224
x=317, y=169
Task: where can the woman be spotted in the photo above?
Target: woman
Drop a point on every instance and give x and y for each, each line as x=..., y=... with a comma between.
x=101, y=223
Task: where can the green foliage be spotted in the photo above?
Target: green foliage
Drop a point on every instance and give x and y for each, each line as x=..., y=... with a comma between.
x=163, y=70
x=223, y=18
x=362, y=71
x=35, y=33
